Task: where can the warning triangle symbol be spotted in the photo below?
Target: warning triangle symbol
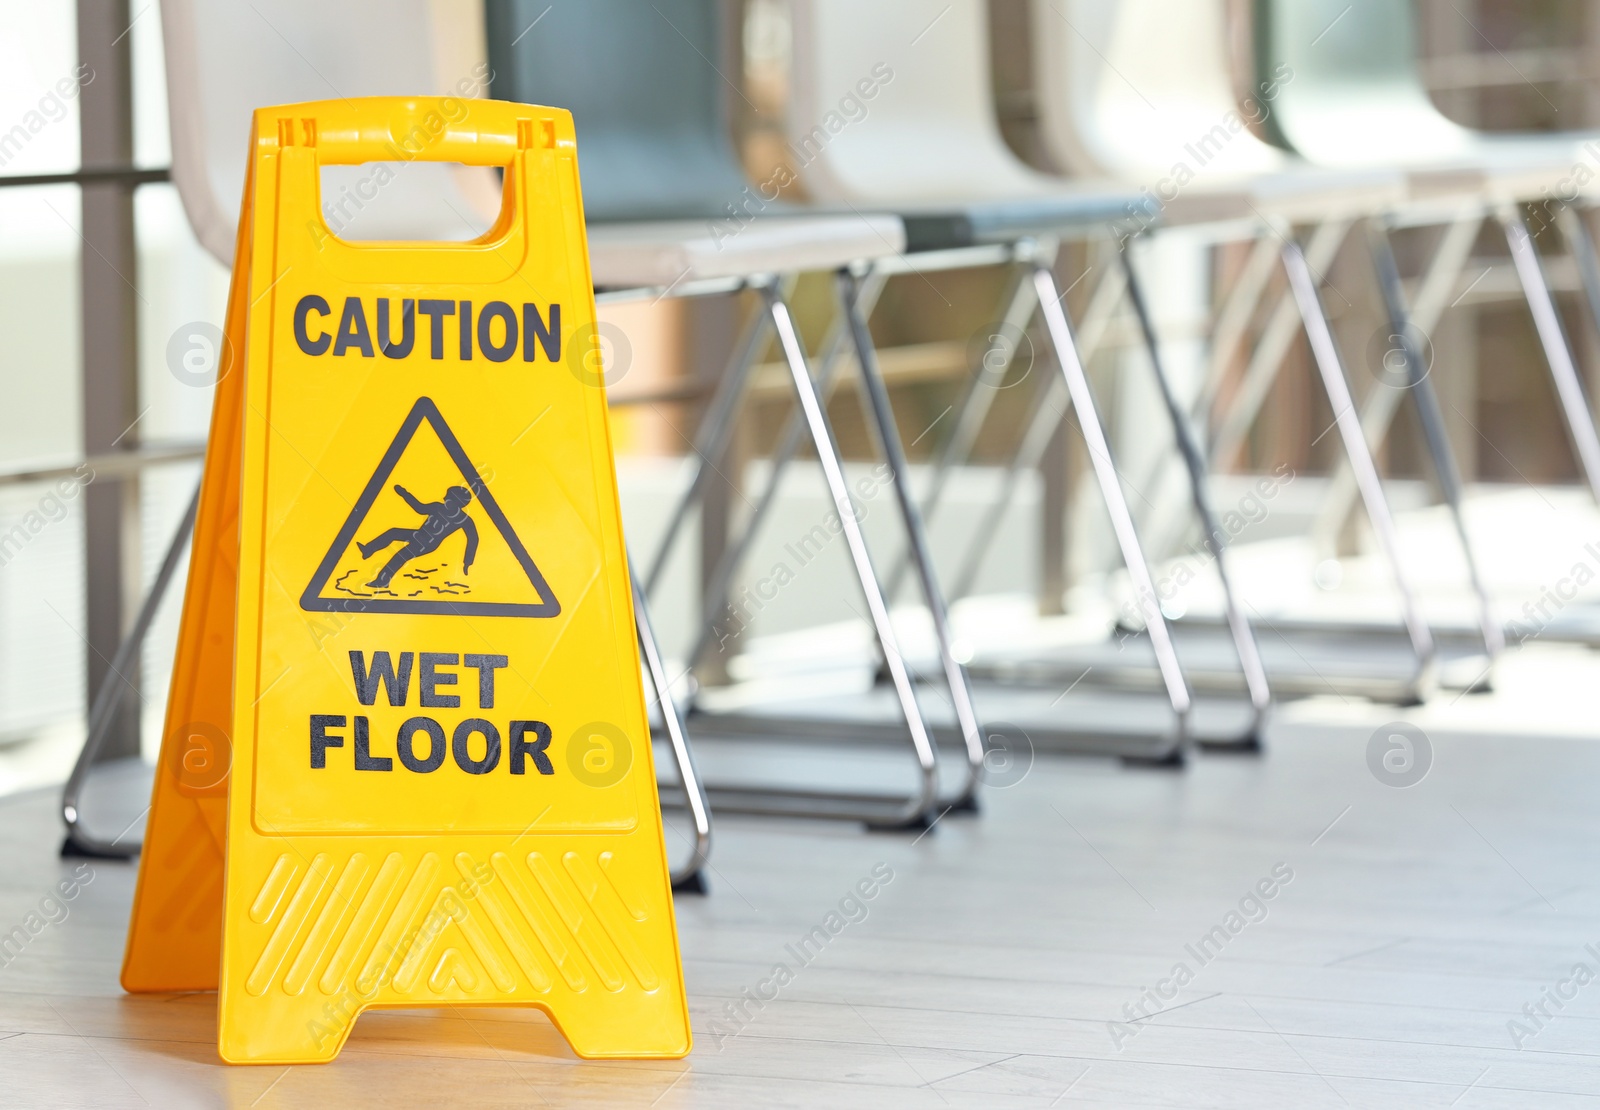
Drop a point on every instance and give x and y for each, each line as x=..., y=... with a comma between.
x=427, y=536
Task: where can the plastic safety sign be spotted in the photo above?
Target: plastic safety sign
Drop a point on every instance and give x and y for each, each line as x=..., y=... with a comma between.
x=407, y=760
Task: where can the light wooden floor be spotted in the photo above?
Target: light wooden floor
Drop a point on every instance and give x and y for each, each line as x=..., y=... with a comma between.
x=988, y=971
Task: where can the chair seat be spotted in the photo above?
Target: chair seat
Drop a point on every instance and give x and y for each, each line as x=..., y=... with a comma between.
x=667, y=252
x=948, y=225
x=1297, y=193
x=1504, y=169
x=1443, y=161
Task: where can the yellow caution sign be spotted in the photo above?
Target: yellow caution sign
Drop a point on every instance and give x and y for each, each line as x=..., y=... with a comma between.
x=406, y=712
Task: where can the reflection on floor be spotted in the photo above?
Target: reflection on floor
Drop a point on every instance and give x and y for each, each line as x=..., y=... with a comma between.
x=1289, y=930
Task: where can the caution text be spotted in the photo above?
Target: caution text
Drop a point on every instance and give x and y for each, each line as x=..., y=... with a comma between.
x=388, y=326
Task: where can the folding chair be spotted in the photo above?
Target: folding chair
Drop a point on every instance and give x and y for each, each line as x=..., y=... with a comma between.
x=223, y=60
x=891, y=107
x=1358, y=98
x=1143, y=91
x=671, y=213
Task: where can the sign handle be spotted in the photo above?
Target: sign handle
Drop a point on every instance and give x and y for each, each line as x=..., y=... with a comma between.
x=424, y=128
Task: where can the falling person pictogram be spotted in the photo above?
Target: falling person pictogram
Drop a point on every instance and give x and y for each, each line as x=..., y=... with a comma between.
x=403, y=584
x=441, y=520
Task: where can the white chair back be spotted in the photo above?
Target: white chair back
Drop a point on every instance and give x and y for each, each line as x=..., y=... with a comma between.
x=1357, y=96
x=891, y=102
x=225, y=58
x=1134, y=88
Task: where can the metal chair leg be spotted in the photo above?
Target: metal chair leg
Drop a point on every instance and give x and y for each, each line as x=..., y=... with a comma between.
x=1161, y=521
x=918, y=808
x=712, y=437
x=1337, y=388
x=1244, y=640
x=1060, y=331
x=733, y=557
x=1557, y=352
x=812, y=419
x=1274, y=343
x=1435, y=434
x=689, y=876
x=1266, y=361
x=920, y=552
x=972, y=409
x=1046, y=413
x=104, y=707
x=1581, y=244
x=1233, y=320
x=1383, y=401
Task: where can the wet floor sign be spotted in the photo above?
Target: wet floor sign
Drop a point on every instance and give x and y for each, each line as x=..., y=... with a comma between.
x=407, y=761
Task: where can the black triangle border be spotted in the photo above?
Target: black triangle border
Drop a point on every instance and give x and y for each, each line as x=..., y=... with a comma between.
x=313, y=601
